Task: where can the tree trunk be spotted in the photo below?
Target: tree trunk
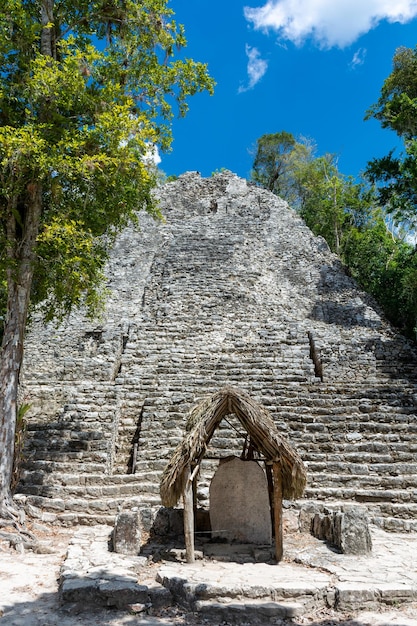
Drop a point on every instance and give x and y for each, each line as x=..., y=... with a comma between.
x=47, y=43
x=23, y=222
x=21, y=246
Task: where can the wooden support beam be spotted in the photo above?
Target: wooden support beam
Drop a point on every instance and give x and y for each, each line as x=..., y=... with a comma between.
x=134, y=458
x=270, y=481
x=188, y=516
x=278, y=510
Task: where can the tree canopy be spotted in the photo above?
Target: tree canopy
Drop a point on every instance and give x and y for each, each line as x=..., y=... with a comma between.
x=272, y=161
x=327, y=200
x=87, y=87
x=396, y=109
x=349, y=215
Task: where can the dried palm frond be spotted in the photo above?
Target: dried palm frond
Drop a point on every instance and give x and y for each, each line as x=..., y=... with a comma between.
x=258, y=423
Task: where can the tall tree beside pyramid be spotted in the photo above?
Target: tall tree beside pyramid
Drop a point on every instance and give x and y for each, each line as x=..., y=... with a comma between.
x=86, y=89
x=395, y=109
x=359, y=223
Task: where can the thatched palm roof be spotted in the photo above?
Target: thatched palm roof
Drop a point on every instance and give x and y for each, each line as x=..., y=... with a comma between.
x=258, y=423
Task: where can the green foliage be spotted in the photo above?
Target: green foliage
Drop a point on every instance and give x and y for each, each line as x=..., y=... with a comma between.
x=328, y=201
x=20, y=435
x=218, y=170
x=64, y=252
x=83, y=94
x=332, y=203
x=87, y=87
x=273, y=161
x=346, y=213
x=396, y=181
x=396, y=107
x=386, y=267
x=396, y=177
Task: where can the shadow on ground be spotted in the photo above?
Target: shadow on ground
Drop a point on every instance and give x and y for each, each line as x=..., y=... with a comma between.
x=47, y=611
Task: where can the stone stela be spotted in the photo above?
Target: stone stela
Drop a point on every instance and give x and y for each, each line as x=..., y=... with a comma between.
x=239, y=503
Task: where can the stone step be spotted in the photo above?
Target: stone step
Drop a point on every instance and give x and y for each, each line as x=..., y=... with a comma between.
x=60, y=466
x=365, y=390
x=247, y=610
x=365, y=496
x=58, y=428
x=76, y=457
x=93, y=575
x=394, y=469
x=81, y=511
x=85, y=479
x=368, y=454
x=90, y=492
x=264, y=586
x=66, y=445
x=315, y=404
x=395, y=524
x=357, y=478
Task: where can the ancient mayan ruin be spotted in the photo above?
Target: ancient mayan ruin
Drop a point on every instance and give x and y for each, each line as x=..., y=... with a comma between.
x=231, y=289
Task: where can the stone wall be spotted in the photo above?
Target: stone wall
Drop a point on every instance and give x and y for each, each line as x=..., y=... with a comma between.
x=232, y=288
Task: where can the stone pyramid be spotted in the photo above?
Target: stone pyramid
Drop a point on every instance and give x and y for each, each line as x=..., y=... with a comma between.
x=230, y=289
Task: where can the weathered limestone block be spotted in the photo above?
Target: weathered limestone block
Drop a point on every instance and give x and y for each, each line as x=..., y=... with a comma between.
x=355, y=596
x=168, y=522
x=239, y=503
x=127, y=534
x=355, y=537
x=346, y=530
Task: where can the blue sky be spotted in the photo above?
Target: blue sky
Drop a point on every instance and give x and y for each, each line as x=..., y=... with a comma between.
x=310, y=67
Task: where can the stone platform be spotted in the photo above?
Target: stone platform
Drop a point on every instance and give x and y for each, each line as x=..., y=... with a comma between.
x=217, y=586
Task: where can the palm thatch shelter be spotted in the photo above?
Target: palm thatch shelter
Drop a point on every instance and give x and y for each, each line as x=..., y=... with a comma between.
x=287, y=473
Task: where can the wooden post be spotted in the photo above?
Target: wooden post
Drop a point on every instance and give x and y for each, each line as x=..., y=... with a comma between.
x=188, y=516
x=270, y=481
x=278, y=509
x=134, y=458
x=194, y=481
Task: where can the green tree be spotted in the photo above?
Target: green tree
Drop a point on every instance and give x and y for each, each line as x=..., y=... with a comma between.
x=86, y=87
x=395, y=178
x=347, y=214
x=386, y=267
x=328, y=201
x=396, y=109
x=331, y=202
x=396, y=181
x=272, y=161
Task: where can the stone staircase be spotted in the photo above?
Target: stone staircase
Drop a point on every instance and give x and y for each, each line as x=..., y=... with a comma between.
x=77, y=465
x=357, y=445
x=269, y=595
x=231, y=290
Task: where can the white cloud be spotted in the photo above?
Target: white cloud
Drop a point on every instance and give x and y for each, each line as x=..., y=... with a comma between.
x=152, y=155
x=328, y=22
x=358, y=58
x=256, y=68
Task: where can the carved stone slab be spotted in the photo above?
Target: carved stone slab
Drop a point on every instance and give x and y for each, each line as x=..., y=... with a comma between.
x=239, y=503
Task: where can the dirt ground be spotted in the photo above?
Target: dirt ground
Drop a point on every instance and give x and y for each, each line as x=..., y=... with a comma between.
x=29, y=596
